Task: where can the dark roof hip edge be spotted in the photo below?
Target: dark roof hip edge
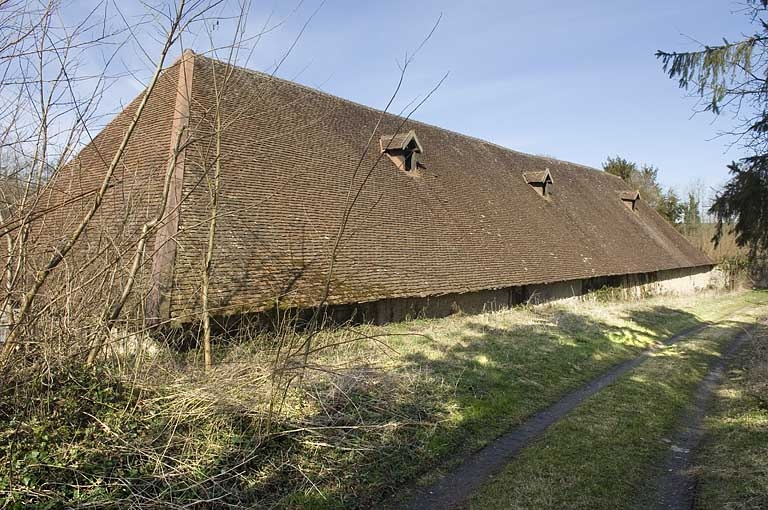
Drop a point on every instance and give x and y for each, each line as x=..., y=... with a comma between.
x=158, y=301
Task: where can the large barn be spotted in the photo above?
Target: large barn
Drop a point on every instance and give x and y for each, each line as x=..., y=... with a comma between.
x=412, y=218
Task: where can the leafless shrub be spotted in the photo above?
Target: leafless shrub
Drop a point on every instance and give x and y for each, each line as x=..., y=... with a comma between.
x=76, y=341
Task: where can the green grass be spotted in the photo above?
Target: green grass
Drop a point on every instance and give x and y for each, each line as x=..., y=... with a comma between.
x=476, y=377
x=602, y=455
x=733, y=464
x=367, y=421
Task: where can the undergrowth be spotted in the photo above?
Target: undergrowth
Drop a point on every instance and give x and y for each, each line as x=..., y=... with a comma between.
x=350, y=425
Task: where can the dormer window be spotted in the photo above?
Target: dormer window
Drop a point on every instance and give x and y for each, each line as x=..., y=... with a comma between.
x=403, y=149
x=630, y=199
x=540, y=181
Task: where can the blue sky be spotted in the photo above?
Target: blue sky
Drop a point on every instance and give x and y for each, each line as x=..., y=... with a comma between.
x=572, y=80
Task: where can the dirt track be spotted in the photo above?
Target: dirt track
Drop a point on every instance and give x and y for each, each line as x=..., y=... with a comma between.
x=454, y=489
x=675, y=483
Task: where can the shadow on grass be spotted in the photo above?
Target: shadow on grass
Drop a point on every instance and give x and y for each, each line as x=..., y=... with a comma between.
x=732, y=467
x=377, y=430
x=663, y=321
x=621, y=434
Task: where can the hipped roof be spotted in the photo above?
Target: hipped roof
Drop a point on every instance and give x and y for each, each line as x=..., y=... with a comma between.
x=295, y=162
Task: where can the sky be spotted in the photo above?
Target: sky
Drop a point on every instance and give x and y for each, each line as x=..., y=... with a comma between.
x=577, y=81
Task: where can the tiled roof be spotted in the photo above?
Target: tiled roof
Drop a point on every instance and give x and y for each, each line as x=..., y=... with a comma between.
x=295, y=161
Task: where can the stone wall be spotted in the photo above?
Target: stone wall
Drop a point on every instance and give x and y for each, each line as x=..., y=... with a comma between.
x=686, y=281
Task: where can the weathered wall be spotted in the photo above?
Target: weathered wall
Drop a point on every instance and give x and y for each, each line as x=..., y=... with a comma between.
x=675, y=281
x=557, y=291
x=684, y=281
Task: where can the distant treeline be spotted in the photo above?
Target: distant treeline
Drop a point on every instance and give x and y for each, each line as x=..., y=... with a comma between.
x=701, y=236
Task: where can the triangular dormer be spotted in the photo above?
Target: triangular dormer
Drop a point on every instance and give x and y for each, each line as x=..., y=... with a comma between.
x=403, y=149
x=630, y=199
x=539, y=180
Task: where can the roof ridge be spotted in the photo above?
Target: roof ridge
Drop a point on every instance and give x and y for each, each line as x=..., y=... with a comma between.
x=410, y=119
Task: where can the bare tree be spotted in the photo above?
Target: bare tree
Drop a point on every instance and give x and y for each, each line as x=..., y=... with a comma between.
x=40, y=65
x=108, y=278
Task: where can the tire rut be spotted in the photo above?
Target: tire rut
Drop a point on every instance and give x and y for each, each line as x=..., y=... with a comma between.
x=676, y=483
x=453, y=490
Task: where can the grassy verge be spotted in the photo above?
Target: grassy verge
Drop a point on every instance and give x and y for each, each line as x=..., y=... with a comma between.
x=375, y=409
x=733, y=464
x=602, y=456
